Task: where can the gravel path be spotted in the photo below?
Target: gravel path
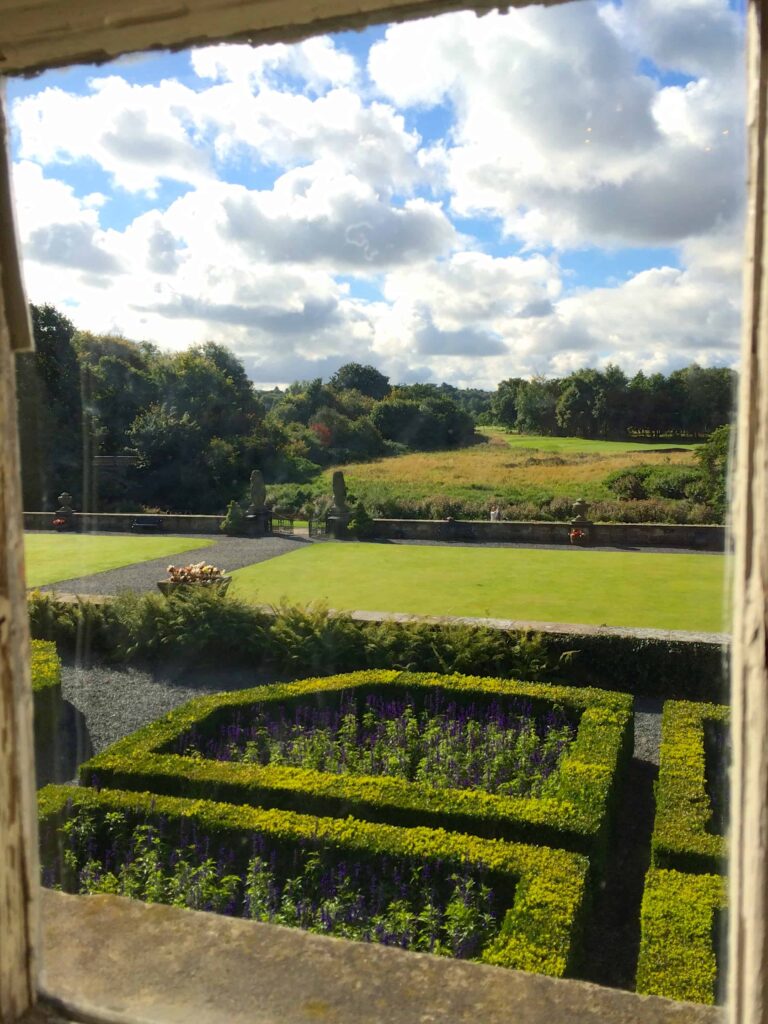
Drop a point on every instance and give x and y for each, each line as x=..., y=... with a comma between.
x=227, y=553
x=116, y=701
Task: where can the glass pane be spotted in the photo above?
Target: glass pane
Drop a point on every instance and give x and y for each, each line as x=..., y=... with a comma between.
x=435, y=325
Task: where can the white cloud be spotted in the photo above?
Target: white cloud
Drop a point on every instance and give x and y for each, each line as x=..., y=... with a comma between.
x=318, y=62
x=556, y=131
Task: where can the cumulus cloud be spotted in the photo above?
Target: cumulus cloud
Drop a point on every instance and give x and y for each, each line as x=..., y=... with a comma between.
x=317, y=62
x=306, y=186
x=337, y=221
x=138, y=134
x=557, y=132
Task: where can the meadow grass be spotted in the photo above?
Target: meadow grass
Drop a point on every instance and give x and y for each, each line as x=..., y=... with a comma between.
x=643, y=589
x=51, y=558
x=505, y=467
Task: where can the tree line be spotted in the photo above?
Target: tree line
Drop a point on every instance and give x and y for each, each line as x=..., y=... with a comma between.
x=194, y=423
x=691, y=402
x=196, y=427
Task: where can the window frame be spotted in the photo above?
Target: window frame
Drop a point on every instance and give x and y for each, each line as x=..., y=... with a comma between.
x=39, y=34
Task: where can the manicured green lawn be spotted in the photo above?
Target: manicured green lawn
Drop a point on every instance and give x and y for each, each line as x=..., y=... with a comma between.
x=54, y=557
x=662, y=591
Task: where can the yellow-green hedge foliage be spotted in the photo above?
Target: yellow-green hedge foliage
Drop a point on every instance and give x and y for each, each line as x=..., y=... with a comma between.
x=46, y=667
x=572, y=811
x=540, y=932
x=678, y=935
x=683, y=810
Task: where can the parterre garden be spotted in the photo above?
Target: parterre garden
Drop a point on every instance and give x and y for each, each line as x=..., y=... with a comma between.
x=466, y=816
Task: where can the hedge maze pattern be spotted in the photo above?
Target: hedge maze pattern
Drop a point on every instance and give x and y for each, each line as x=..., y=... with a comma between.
x=541, y=854
x=359, y=816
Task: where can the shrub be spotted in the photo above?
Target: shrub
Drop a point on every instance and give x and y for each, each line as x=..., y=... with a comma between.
x=361, y=523
x=233, y=523
x=681, y=834
x=47, y=704
x=540, y=930
x=222, y=630
x=678, y=935
x=572, y=811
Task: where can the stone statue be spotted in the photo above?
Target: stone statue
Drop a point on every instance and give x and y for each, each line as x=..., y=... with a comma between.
x=258, y=493
x=339, y=492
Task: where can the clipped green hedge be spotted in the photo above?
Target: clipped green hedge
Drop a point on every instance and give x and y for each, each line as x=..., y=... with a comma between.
x=46, y=667
x=678, y=935
x=573, y=811
x=207, y=628
x=681, y=839
x=47, y=703
x=540, y=932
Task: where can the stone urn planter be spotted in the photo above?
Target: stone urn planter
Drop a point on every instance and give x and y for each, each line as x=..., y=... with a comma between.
x=168, y=587
x=196, y=575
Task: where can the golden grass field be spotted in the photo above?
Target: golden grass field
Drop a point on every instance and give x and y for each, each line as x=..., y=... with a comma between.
x=495, y=465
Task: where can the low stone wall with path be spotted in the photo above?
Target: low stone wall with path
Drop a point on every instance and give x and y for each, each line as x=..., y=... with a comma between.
x=619, y=535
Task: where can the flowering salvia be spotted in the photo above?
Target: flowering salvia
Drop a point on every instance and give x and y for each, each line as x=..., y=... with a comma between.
x=495, y=746
x=432, y=907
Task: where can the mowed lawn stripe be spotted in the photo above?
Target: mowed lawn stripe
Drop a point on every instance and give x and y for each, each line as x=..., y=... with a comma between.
x=51, y=558
x=647, y=590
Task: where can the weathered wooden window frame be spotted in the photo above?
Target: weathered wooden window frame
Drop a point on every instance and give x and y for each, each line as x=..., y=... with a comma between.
x=39, y=34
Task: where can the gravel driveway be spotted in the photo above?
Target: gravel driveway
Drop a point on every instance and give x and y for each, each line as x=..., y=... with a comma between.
x=227, y=553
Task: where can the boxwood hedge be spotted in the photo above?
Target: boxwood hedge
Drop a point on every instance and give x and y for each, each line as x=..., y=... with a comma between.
x=47, y=702
x=573, y=811
x=679, y=940
x=682, y=838
x=541, y=928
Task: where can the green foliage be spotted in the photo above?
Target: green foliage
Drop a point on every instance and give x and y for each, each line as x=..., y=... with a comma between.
x=678, y=935
x=50, y=412
x=639, y=482
x=572, y=809
x=361, y=523
x=682, y=838
x=541, y=928
x=365, y=379
x=147, y=627
x=234, y=521
x=713, y=458
x=45, y=666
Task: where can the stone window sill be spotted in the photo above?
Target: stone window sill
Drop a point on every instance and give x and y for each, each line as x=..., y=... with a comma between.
x=108, y=959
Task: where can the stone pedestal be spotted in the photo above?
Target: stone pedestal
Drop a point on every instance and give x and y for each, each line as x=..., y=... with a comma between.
x=337, y=523
x=64, y=516
x=258, y=524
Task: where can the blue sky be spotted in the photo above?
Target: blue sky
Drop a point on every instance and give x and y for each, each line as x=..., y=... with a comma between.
x=460, y=199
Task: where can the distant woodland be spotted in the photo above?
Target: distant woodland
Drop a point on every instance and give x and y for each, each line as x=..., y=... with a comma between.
x=197, y=427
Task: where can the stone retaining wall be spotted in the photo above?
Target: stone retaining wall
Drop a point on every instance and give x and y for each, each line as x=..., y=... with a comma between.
x=120, y=522
x=620, y=535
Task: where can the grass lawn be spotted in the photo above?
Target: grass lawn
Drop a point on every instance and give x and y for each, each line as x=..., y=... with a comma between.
x=569, y=445
x=51, y=558
x=672, y=591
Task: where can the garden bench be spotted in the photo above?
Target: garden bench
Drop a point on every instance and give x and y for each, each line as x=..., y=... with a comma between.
x=147, y=523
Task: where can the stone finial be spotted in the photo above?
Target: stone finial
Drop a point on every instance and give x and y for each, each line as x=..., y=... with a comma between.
x=580, y=511
x=65, y=501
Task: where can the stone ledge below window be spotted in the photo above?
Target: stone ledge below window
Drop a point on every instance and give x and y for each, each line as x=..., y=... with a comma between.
x=109, y=958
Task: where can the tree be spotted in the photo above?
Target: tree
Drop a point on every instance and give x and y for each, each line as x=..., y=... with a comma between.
x=536, y=405
x=713, y=460
x=365, y=379
x=50, y=413
x=504, y=402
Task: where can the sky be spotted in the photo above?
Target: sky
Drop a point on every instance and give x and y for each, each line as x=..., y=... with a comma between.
x=460, y=199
